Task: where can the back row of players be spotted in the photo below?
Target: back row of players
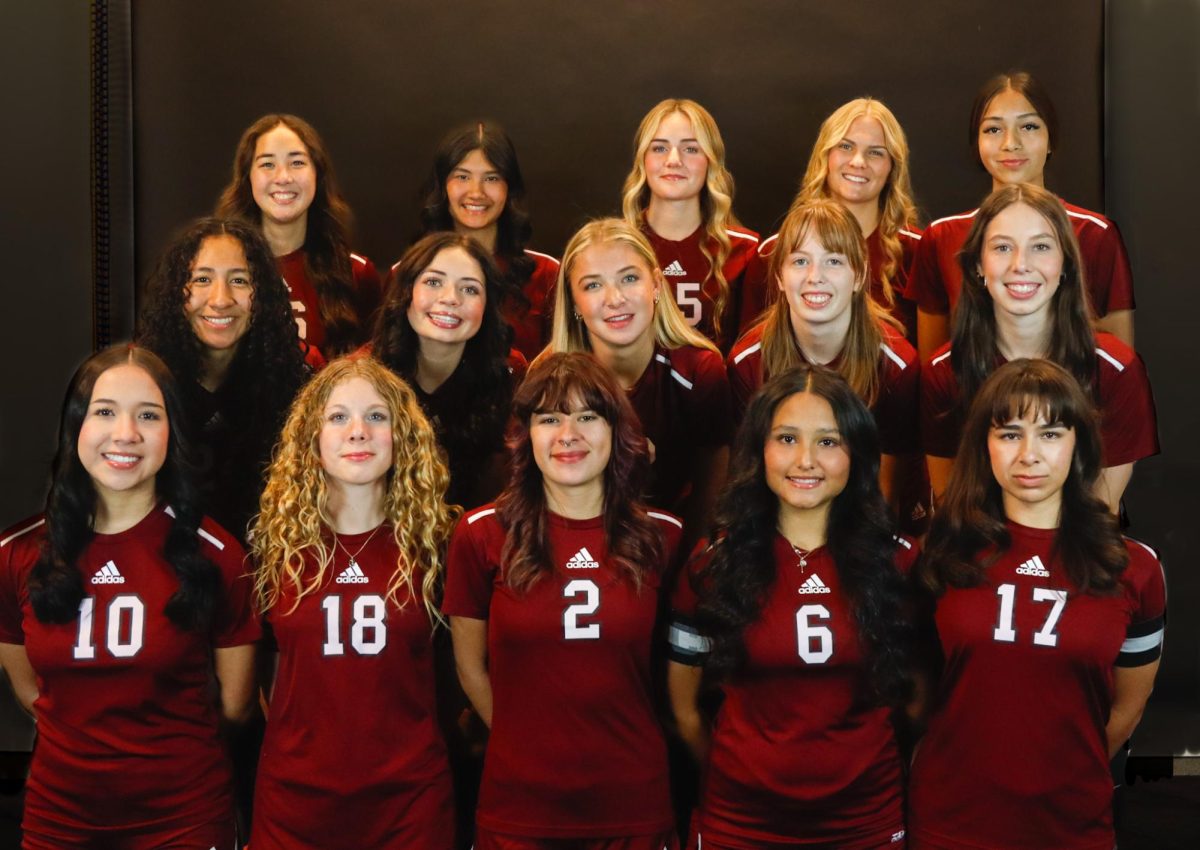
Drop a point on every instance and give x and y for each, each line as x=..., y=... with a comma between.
x=553, y=590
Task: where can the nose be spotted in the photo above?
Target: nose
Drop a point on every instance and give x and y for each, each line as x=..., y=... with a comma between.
x=220, y=294
x=1020, y=259
x=568, y=432
x=1028, y=455
x=858, y=161
x=125, y=429
x=448, y=295
x=1011, y=140
x=613, y=295
x=804, y=454
x=813, y=273
x=358, y=428
x=673, y=157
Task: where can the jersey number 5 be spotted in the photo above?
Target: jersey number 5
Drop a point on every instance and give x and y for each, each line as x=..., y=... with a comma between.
x=125, y=632
x=1045, y=636
x=368, y=626
x=572, y=630
x=689, y=304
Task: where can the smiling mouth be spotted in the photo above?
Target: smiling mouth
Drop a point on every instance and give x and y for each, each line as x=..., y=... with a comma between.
x=444, y=320
x=855, y=178
x=1022, y=289
x=121, y=461
x=569, y=457
x=803, y=482
x=284, y=197
x=218, y=322
x=816, y=299
x=623, y=318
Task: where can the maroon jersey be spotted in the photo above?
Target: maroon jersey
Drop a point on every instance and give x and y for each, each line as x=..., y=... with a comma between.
x=695, y=287
x=306, y=306
x=1128, y=423
x=797, y=758
x=682, y=400
x=576, y=749
x=127, y=723
x=531, y=328
x=1016, y=753
x=895, y=407
x=936, y=279
x=361, y=668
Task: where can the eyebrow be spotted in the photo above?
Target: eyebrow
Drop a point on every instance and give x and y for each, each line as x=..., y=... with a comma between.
x=629, y=268
x=794, y=429
x=289, y=153
x=660, y=139
x=245, y=269
x=114, y=401
x=1022, y=115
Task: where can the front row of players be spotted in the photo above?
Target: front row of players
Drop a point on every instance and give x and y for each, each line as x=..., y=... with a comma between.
x=1025, y=640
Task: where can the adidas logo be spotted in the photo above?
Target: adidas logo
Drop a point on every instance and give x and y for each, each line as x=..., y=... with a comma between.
x=108, y=574
x=814, y=585
x=897, y=837
x=674, y=270
x=582, y=560
x=353, y=574
x=1033, y=567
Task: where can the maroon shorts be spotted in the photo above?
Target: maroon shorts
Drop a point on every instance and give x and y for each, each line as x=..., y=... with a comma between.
x=213, y=836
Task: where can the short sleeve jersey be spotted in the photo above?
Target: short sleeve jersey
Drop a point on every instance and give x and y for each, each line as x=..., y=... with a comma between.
x=1128, y=422
x=797, y=755
x=936, y=279
x=576, y=749
x=695, y=288
x=683, y=402
x=1024, y=699
x=531, y=328
x=306, y=305
x=354, y=668
x=127, y=721
x=895, y=407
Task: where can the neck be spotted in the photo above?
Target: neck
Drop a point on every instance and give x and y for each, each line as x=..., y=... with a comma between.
x=628, y=363
x=674, y=220
x=866, y=213
x=118, y=511
x=582, y=502
x=1022, y=336
x=436, y=362
x=1040, y=180
x=1044, y=514
x=354, y=508
x=821, y=344
x=215, y=366
x=804, y=529
x=285, y=237
x=485, y=236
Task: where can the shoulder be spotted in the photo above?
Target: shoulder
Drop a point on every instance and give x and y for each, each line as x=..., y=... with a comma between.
x=898, y=350
x=1112, y=354
x=950, y=224
x=479, y=521
x=907, y=551
x=910, y=233
x=361, y=264
x=690, y=367
x=542, y=261
x=21, y=543
x=939, y=361
x=517, y=365
x=742, y=234
x=670, y=527
x=218, y=545
x=767, y=246
x=1085, y=219
x=748, y=346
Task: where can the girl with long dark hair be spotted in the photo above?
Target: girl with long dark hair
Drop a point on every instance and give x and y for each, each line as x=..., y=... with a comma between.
x=283, y=182
x=553, y=596
x=798, y=611
x=1050, y=624
x=117, y=607
x=1025, y=297
x=476, y=189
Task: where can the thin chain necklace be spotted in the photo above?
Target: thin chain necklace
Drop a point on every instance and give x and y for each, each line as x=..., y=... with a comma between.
x=801, y=555
x=354, y=558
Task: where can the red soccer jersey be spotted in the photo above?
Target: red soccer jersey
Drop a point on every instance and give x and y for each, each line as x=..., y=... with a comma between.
x=306, y=307
x=127, y=723
x=935, y=278
x=797, y=758
x=1128, y=423
x=361, y=669
x=531, y=329
x=576, y=749
x=689, y=273
x=682, y=400
x=1016, y=754
x=895, y=407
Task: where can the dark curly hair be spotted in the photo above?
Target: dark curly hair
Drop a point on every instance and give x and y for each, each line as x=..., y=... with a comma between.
x=55, y=583
x=565, y=382
x=264, y=376
x=326, y=234
x=733, y=586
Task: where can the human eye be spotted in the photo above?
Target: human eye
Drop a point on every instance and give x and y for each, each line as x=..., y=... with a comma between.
x=336, y=416
x=150, y=416
x=471, y=289
x=845, y=146
x=588, y=416
x=658, y=147
x=1031, y=126
x=103, y=410
x=632, y=277
x=431, y=280
x=878, y=153
x=836, y=260
x=240, y=280
x=200, y=279
x=990, y=129
x=829, y=442
x=691, y=149
x=591, y=285
x=799, y=261
x=545, y=419
x=377, y=416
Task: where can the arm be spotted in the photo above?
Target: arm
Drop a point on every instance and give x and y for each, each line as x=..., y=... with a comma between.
x=1119, y=323
x=470, y=659
x=683, y=688
x=1111, y=484
x=933, y=331
x=697, y=509
x=939, y=475
x=234, y=667
x=1131, y=689
x=15, y=662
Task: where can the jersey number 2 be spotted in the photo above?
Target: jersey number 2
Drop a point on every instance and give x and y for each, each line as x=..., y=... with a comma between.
x=591, y=596
x=125, y=632
x=1045, y=636
x=368, y=629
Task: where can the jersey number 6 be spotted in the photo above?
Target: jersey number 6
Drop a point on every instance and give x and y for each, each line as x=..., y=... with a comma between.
x=815, y=643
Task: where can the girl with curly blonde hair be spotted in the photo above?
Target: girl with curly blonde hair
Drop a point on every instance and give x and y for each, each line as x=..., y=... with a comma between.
x=680, y=194
x=349, y=548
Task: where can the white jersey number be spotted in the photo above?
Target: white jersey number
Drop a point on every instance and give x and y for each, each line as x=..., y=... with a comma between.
x=124, y=633
x=691, y=306
x=1045, y=636
x=298, y=310
x=591, y=594
x=368, y=625
x=814, y=642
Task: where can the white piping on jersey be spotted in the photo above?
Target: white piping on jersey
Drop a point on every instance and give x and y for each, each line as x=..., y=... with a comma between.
x=958, y=217
x=910, y=234
x=1116, y=364
x=665, y=518
x=1143, y=643
x=480, y=515
x=1131, y=540
x=905, y=543
x=770, y=240
x=1101, y=224
x=26, y=530
x=362, y=260
x=940, y=357
x=169, y=511
x=734, y=233
x=893, y=356
x=540, y=254
x=662, y=358
x=747, y=353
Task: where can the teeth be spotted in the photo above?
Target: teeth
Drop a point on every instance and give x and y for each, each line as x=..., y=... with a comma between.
x=624, y=317
x=121, y=458
x=854, y=178
x=475, y=207
x=219, y=321
x=816, y=299
x=1022, y=288
x=284, y=196
x=444, y=321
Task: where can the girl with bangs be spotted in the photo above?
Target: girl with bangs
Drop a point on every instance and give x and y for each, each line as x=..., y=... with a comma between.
x=348, y=550
x=825, y=317
x=1050, y=625
x=553, y=596
x=283, y=182
x=680, y=195
x=613, y=303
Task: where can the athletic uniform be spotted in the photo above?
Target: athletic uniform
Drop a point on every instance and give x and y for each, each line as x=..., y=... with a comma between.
x=576, y=749
x=797, y=758
x=936, y=279
x=1016, y=754
x=531, y=329
x=355, y=671
x=1128, y=423
x=682, y=400
x=128, y=754
x=688, y=271
x=306, y=307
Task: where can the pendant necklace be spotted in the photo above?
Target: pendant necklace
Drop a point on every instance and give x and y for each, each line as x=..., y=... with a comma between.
x=354, y=557
x=801, y=555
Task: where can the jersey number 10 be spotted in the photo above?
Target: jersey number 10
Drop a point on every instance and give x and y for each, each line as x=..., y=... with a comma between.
x=125, y=629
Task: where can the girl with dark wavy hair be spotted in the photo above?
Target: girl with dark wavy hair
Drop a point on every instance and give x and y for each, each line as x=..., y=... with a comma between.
x=441, y=330
x=799, y=611
x=1050, y=625
x=117, y=606
x=476, y=189
x=553, y=595
x=216, y=311
x=1012, y=132
x=1026, y=298
x=283, y=182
